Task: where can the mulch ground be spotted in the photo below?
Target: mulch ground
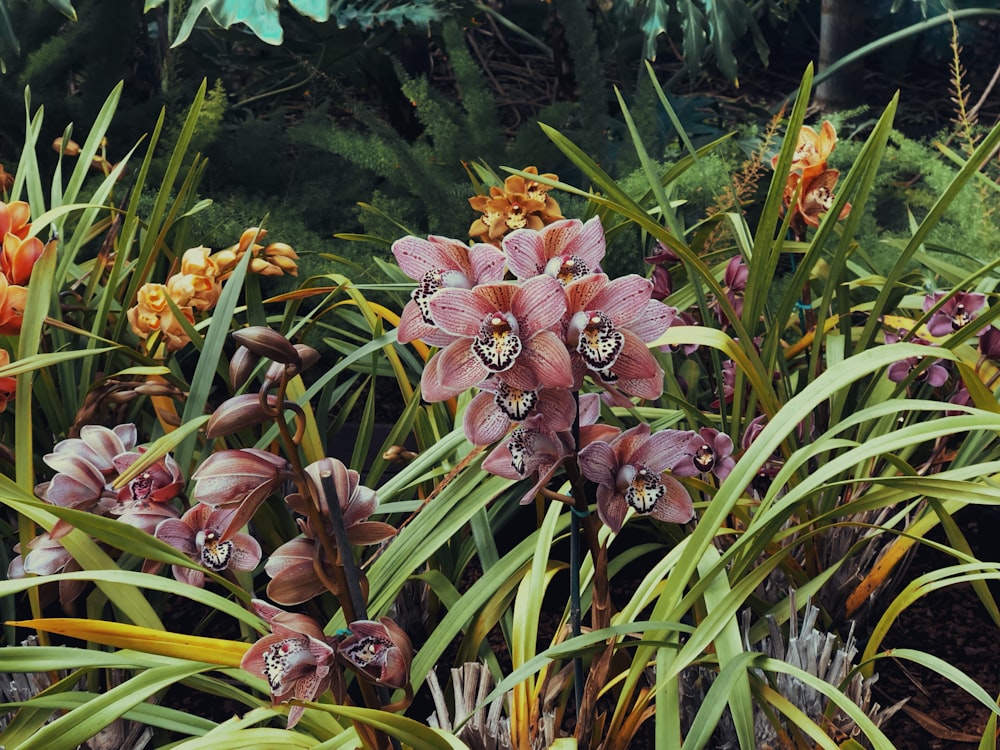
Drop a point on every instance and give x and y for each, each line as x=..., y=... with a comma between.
x=953, y=624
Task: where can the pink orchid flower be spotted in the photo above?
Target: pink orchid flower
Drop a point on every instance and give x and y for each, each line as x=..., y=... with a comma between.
x=292, y=566
x=608, y=324
x=501, y=329
x=239, y=477
x=144, y=501
x=533, y=450
x=199, y=534
x=633, y=471
x=498, y=406
x=46, y=556
x=295, y=658
x=440, y=263
x=566, y=250
x=380, y=651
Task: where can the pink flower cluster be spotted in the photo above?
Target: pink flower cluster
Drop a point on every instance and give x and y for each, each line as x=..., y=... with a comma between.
x=526, y=324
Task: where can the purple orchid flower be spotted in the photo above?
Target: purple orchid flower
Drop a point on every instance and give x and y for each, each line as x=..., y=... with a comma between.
x=295, y=658
x=380, y=651
x=707, y=451
x=145, y=501
x=960, y=309
x=936, y=374
x=46, y=556
x=566, y=250
x=633, y=471
x=440, y=263
x=239, y=477
x=503, y=330
x=734, y=283
x=200, y=534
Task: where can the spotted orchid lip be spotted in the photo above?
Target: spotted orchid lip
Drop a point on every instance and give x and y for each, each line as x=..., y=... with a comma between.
x=498, y=344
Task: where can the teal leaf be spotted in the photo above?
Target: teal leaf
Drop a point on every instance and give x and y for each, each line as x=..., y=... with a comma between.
x=260, y=16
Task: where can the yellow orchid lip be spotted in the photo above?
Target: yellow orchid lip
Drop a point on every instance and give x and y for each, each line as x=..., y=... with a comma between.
x=218, y=651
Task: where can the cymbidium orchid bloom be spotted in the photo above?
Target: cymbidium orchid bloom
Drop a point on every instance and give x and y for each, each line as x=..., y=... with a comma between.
x=276, y=259
x=15, y=219
x=567, y=250
x=812, y=149
x=85, y=470
x=608, y=323
x=240, y=478
x=520, y=203
x=151, y=314
x=734, y=284
x=935, y=375
x=13, y=302
x=501, y=329
x=534, y=450
x=295, y=659
x=707, y=451
x=958, y=310
x=201, y=535
x=438, y=263
x=18, y=257
x=8, y=385
x=815, y=199
x=498, y=406
x=292, y=567
x=144, y=501
x=380, y=651
x=46, y=556
x=633, y=471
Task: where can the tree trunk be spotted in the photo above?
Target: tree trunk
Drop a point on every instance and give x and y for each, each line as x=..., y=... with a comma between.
x=841, y=31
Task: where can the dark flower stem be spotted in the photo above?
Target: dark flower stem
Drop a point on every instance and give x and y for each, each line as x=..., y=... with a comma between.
x=350, y=568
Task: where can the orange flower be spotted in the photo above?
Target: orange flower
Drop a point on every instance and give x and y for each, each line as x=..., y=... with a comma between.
x=18, y=257
x=6, y=180
x=520, y=203
x=277, y=259
x=815, y=199
x=15, y=218
x=152, y=314
x=812, y=150
x=197, y=284
x=13, y=300
x=8, y=385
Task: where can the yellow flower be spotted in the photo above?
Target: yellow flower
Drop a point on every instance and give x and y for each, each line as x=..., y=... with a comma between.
x=152, y=314
x=520, y=204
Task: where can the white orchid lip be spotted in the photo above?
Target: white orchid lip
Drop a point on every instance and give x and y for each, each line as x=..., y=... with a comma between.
x=498, y=344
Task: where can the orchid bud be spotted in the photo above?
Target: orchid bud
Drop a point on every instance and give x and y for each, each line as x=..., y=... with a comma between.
x=72, y=148
x=239, y=413
x=266, y=342
x=241, y=366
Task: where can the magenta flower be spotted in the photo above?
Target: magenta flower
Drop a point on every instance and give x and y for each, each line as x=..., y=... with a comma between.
x=200, y=534
x=989, y=343
x=734, y=284
x=958, y=310
x=608, y=324
x=501, y=329
x=440, y=263
x=936, y=374
x=380, y=651
x=566, y=250
x=295, y=658
x=707, y=451
x=239, y=477
x=632, y=471
x=498, y=406
x=292, y=567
